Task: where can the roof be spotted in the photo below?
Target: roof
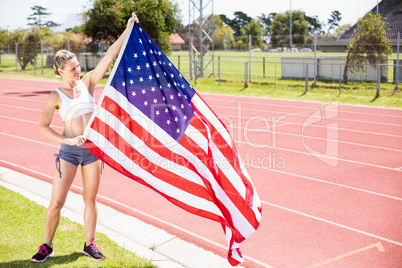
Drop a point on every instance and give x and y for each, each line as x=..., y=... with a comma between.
x=176, y=39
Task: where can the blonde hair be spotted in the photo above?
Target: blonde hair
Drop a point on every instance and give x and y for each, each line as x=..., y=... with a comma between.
x=60, y=60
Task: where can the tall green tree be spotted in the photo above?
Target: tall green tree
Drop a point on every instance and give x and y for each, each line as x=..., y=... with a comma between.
x=333, y=21
x=280, y=28
x=223, y=34
x=39, y=18
x=266, y=22
x=314, y=25
x=368, y=44
x=107, y=19
x=239, y=21
x=254, y=29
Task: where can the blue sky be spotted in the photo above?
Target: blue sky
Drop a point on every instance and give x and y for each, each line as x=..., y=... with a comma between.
x=14, y=13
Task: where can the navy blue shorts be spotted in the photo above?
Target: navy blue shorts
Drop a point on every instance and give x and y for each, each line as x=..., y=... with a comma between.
x=76, y=155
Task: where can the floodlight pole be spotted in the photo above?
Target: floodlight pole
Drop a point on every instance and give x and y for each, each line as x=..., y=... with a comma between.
x=290, y=26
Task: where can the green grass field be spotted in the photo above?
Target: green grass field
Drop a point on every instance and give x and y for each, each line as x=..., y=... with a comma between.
x=21, y=227
x=268, y=86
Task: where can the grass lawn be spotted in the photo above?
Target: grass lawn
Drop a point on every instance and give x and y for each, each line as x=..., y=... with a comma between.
x=21, y=228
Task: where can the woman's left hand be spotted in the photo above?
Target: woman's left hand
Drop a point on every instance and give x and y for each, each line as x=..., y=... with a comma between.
x=133, y=19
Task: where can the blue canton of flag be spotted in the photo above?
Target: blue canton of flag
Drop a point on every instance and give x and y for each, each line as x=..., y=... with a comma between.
x=161, y=93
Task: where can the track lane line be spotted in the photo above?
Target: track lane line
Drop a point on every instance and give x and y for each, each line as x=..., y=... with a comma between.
x=336, y=224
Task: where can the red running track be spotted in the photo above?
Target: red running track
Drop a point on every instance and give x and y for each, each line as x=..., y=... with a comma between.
x=329, y=177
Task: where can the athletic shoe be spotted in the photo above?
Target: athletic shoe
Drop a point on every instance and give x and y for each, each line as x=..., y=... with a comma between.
x=44, y=252
x=93, y=251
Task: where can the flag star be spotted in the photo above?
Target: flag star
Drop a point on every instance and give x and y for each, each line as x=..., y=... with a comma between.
x=154, y=63
x=172, y=75
x=150, y=77
x=123, y=84
x=163, y=98
x=140, y=29
x=175, y=84
x=160, y=86
x=141, y=79
x=170, y=64
x=182, y=106
x=138, y=67
x=168, y=85
x=157, y=112
x=153, y=89
x=185, y=117
x=168, y=122
x=147, y=65
x=149, y=40
x=160, y=62
x=176, y=119
x=159, y=53
x=180, y=75
x=145, y=103
x=174, y=108
x=179, y=94
x=155, y=101
x=164, y=73
x=171, y=97
x=129, y=69
x=182, y=85
x=134, y=94
x=178, y=130
x=166, y=110
x=143, y=91
x=135, y=55
x=144, y=53
x=131, y=81
x=157, y=75
x=164, y=63
x=150, y=51
x=185, y=96
x=140, y=41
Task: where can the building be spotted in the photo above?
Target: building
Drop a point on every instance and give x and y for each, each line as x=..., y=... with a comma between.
x=177, y=42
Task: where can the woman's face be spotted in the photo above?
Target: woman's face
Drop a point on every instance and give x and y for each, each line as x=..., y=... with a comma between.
x=71, y=70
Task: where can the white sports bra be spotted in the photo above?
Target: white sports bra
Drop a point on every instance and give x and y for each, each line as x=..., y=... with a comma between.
x=72, y=108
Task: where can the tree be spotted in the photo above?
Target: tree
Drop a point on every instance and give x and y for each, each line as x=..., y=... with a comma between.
x=266, y=22
x=239, y=21
x=280, y=29
x=223, y=34
x=39, y=16
x=314, y=25
x=368, y=44
x=333, y=22
x=107, y=19
x=254, y=29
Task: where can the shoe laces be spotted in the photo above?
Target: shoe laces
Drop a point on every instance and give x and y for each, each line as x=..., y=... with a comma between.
x=43, y=250
x=93, y=246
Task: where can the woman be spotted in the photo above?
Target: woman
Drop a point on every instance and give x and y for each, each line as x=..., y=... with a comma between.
x=74, y=101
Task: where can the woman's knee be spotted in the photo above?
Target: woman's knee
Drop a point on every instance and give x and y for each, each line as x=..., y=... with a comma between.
x=56, y=204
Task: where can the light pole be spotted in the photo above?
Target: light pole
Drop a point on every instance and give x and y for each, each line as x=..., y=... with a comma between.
x=290, y=25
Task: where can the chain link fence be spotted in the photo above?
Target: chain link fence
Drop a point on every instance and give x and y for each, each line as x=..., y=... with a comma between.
x=246, y=58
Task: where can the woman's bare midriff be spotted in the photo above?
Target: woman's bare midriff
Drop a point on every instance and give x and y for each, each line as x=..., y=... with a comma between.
x=76, y=126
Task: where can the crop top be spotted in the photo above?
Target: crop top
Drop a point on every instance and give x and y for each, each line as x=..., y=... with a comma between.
x=72, y=108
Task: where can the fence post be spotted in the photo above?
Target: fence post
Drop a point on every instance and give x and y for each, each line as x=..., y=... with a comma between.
x=315, y=58
x=377, y=91
x=191, y=57
x=85, y=63
x=178, y=64
x=219, y=70
x=397, y=61
x=16, y=57
x=306, y=87
x=263, y=66
x=195, y=71
x=68, y=45
x=340, y=78
x=245, y=74
x=249, y=57
x=275, y=75
x=35, y=67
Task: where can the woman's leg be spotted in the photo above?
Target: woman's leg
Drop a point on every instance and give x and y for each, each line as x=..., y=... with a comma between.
x=60, y=189
x=90, y=180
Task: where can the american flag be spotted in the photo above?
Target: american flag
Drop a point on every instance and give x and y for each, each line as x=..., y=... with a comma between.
x=152, y=126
